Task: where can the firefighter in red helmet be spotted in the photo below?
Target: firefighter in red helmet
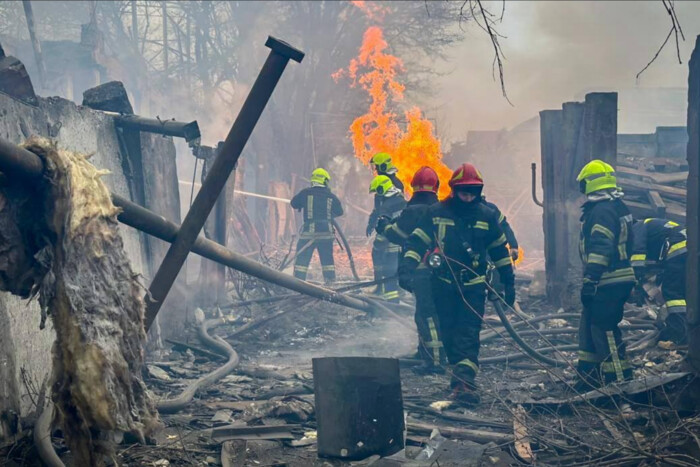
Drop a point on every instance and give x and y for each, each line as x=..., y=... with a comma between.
x=425, y=184
x=456, y=237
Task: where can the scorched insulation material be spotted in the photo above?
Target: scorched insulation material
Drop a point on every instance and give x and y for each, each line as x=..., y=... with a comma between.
x=60, y=240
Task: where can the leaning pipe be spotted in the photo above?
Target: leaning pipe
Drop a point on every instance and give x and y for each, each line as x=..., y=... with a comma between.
x=17, y=162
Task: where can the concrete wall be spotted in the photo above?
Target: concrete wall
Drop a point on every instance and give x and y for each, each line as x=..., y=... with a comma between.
x=24, y=348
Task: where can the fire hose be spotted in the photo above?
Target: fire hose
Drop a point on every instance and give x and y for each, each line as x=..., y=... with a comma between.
x=178, y=403
x=346, y=245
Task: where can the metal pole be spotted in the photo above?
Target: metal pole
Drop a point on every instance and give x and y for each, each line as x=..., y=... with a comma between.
x=36, y=45
x=534, y=185
x=224, y=163
x=187, y=130
x=17, y=162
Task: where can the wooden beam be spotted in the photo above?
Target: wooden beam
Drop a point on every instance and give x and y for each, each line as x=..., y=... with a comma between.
x=657, y=203
x=669, y=191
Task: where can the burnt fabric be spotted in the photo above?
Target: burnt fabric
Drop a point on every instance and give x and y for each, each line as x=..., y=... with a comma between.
x=319, y=207
x=86, y=285
x=602, y=353
x=465, y=235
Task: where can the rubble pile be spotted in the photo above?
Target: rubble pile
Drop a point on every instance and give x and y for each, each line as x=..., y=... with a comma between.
x=263, y=412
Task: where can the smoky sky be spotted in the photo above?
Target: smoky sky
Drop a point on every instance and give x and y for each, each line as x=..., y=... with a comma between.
x=555, y=52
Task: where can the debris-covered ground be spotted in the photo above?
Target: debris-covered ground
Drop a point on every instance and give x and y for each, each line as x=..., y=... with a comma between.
x=262, y=414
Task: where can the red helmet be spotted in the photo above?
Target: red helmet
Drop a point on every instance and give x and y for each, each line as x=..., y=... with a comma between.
x=425, y=179
x=466, y=175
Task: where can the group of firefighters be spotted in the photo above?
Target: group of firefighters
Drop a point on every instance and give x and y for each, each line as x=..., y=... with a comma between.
x=445, y=252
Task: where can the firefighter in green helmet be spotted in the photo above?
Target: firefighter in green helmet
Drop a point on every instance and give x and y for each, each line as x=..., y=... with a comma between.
x=606, y=244
x=319, y=206
x=388, y=203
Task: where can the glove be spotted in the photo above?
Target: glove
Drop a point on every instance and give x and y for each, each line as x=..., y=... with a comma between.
x=588, y=291
x=382, y=223
x=514, y=254
x=369, y=230
x=509, y=294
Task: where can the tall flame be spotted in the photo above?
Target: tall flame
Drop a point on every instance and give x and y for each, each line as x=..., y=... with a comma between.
x=378, y=130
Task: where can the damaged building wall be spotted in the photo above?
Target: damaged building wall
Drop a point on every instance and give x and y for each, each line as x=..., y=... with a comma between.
x=26, y=351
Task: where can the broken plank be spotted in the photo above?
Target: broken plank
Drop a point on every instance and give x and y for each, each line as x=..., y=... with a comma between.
x=521, y=436
x=195, y=349
x=657, y=203
x=479, y=436
x=641, y=210
x=662, y=178
x=458, y=417
x=230, y=432
x=668, y=191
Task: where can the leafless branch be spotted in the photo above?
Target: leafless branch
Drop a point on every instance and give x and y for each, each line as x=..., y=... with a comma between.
x=675, y=30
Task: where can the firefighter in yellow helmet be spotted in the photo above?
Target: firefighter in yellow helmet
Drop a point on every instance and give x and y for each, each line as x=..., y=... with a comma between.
x=388, y=203
x=383, y=165
x=608, y=278
x=320, y=206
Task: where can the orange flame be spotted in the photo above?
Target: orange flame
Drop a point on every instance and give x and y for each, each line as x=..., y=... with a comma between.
x=372, y=10
x=378, y=130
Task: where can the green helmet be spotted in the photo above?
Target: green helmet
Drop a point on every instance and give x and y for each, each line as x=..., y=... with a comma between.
x=596, y=176
x=380, y=185
x=382, y=160
x=320, y=176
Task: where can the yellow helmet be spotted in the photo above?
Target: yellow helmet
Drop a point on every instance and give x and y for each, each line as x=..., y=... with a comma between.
x=595, y=176
x=320, y=176
x=380, y=185
x=382, y=160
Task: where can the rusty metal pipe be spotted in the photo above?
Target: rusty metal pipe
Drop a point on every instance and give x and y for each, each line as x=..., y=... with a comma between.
x=534, y=185
x=218, y=174
x=187, y=130
x=17, y=162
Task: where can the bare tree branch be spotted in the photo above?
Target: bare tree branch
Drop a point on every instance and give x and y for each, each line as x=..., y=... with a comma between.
x=675, y=30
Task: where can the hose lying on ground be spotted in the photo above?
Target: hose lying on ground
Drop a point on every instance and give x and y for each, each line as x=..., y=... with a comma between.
x=519, y=340
x=42, y=438
x=218, y=344
x=495, y=333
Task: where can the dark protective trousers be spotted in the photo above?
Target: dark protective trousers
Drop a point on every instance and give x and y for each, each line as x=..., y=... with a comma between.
x=385, y=260
x=305, y=251
x=430, y=346
x=673, y=289
x=460, y=321
x=602, y=355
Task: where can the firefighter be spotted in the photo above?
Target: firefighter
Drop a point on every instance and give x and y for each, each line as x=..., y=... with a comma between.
x=320, y=206
x=382, y=164
x=660, y=249
x=425, y=184
x=608, y=278
x=458, y=235
x=388, y=203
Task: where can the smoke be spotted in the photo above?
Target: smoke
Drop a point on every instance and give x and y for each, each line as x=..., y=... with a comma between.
x=557, y=51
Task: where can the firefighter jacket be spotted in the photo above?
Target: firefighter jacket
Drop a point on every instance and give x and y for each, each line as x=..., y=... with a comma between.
x=505, y=226
x=394, y=179
x=389, y=205
x=398, y=231
x=606, y=241
x=320, y=206
x=653, y=240
x=465, y=235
